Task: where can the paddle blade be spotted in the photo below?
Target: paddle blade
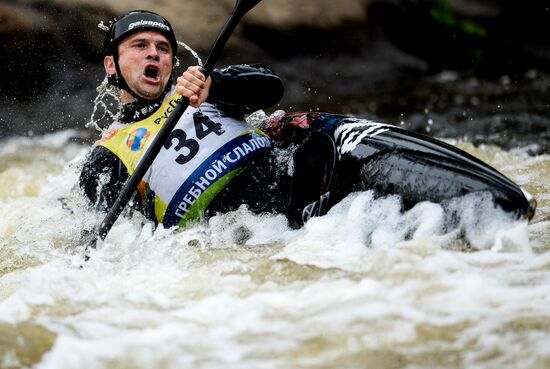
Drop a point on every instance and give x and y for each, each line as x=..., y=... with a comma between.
x=243, y=6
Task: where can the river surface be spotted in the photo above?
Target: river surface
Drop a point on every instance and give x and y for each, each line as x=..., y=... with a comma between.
x=363, y=287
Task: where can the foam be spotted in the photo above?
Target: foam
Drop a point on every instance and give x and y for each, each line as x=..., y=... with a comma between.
x=365, y=283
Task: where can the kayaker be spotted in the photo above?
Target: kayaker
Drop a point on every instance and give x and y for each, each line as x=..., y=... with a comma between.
x=211, y=143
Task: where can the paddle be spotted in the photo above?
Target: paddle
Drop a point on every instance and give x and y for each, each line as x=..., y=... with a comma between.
x=129, y=188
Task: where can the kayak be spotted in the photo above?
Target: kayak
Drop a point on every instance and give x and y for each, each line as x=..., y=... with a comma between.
x=320, y=158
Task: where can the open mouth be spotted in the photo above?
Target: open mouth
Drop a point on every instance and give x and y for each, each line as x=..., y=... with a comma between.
x=152, y=72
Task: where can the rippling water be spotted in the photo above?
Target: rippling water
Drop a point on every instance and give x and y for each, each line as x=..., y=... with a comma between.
x=352, y=289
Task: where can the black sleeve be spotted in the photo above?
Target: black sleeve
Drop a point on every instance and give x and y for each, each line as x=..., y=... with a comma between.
x=102, y=177
x=243, y=89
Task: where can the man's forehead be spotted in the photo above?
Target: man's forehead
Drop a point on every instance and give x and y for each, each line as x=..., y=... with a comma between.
x=147, y=35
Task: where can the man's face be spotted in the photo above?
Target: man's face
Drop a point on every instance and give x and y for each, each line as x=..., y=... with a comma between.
x=145, y=60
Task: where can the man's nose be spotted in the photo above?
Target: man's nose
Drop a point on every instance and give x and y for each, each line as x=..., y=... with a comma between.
x=153, y=52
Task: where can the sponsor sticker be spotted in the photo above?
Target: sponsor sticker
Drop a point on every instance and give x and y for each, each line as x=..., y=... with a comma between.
x=137, y=138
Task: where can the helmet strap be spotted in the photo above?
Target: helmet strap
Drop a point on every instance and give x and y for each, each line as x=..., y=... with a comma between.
x=118, y=80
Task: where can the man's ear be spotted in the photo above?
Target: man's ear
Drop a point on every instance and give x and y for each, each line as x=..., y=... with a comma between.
x=109, y=65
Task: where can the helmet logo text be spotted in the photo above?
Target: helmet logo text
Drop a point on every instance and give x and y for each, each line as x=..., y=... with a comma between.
x=142, y=23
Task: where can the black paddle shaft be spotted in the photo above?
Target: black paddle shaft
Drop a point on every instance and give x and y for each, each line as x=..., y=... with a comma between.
x=129, y=188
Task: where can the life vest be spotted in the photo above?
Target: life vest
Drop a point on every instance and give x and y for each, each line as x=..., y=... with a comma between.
x=205, y=151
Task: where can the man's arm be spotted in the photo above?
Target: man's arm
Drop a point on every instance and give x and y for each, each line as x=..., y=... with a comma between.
x=102, y=177
x=245, y=88
x=238, y=89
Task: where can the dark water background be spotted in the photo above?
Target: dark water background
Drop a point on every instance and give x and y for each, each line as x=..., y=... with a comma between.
x=478, y=71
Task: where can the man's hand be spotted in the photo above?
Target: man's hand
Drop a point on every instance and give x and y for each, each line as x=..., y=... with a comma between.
x=193, y=85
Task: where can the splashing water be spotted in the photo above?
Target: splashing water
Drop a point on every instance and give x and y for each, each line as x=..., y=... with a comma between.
x=107, y=105
x=193, y=52
x=363, y=286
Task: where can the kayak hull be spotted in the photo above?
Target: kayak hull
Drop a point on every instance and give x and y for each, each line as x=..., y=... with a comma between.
x=318, y=159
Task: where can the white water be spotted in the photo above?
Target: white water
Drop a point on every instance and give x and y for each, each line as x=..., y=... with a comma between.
x=362, y=287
